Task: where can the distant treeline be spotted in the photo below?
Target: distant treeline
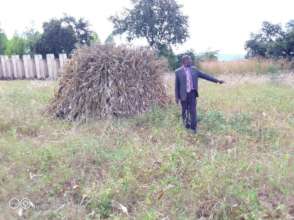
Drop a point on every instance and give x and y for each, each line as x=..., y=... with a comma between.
x=273, y=41
x=58, y=36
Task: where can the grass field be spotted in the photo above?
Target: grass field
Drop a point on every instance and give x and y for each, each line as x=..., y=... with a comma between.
x=239, y=166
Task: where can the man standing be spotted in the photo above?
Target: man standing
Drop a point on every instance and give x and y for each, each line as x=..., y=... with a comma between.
x=186, y=90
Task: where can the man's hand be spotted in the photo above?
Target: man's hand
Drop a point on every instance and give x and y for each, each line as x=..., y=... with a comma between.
x=220, y=81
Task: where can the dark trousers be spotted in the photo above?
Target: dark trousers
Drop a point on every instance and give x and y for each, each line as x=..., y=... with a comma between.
x=189, y=112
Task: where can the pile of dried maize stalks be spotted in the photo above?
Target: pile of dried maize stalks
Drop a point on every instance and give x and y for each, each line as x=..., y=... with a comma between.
x=104, y=81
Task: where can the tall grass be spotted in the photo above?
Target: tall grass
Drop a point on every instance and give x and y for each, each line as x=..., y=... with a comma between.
x=259, y=66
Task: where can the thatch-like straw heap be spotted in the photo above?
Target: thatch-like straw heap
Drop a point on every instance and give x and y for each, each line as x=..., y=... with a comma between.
x=103, y=81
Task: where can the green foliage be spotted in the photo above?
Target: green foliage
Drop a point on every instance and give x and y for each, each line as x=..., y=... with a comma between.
x=101, y=203
x=149, y=215
x=16, y=45
x=56, y=38
x=19, y=44
x=214, y=120
x=273, y=41
x=3, y=42
x=104, y=205
x=157, y=117
x=160, y=22
x=59, y=36
x=95, y=38
x=241, y=123
x=32, y=37
x=82, y=32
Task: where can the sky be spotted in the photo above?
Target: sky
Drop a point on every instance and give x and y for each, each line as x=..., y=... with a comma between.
x=222, y=25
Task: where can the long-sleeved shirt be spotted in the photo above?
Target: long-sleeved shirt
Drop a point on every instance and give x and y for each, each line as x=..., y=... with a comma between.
x=189, y=79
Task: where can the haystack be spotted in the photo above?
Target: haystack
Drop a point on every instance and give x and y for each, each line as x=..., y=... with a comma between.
x=104, y=81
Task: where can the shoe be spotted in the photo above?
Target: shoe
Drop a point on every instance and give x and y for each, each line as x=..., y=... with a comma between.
x=187, y=126
x=194, y=131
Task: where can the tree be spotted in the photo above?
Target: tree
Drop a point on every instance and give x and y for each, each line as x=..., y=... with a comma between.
x=288, y=43
x=81, y=29
x=32, y=37
x=16, y=45
x=168, y=53
x=272, y=41
x=271, y=32
x=160, y=22
x=63, y=35
x=95, y=38
x=56, y=38
x=109, y=39
x=3, y=41
x=256, y=47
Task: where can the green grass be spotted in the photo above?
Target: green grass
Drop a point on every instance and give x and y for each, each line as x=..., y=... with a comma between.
x=239, y=166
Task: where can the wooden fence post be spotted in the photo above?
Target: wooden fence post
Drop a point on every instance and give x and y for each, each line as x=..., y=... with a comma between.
x=52, y=66
x=5, y=67
x=1, y=69
x=17, y=67
x=62, y=59
x=29, y=69
x=9, y=67
x=41, y=70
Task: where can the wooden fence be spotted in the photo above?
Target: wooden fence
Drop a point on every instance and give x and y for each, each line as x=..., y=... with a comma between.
x=31, y=67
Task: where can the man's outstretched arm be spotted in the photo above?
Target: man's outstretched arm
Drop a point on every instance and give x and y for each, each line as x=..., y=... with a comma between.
x=209, y=78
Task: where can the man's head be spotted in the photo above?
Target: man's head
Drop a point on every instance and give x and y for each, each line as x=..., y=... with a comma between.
x=187, y=61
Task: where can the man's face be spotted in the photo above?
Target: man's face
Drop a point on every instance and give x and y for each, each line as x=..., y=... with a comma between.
x=187, y=62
